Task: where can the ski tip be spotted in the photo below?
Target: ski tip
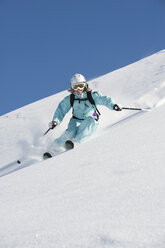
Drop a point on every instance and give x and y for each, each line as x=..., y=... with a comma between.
x=69, y=145
x=18, y=162
x=47, y=155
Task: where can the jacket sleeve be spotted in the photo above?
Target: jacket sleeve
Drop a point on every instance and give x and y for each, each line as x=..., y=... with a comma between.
x=62, y=109
x=103, y=100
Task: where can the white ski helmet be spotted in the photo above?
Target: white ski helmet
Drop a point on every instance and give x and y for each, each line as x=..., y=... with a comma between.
x=77, y=78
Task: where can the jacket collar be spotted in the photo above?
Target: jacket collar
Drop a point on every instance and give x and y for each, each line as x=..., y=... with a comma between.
x=83, y=95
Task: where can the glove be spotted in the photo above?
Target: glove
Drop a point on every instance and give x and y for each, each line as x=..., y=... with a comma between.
x=117, y=107
x=52, y=124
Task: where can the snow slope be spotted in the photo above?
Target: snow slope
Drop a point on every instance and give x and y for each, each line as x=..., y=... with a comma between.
x=108, y=192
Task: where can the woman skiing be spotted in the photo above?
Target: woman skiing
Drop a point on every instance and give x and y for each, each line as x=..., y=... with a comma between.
x=85, y=115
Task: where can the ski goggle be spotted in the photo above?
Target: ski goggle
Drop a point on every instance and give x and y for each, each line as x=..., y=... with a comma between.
x=79, y=86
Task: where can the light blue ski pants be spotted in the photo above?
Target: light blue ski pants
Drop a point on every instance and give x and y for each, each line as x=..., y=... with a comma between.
x=78, y=131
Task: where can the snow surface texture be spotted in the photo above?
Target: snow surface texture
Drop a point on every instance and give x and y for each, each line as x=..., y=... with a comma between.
x=108, y=192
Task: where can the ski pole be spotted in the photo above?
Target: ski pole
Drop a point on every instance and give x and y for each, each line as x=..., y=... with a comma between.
x=53, y=125
x=47, y=131
x=131, y=108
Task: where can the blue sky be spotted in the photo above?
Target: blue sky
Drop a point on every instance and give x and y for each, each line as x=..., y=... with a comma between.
x=44, y=42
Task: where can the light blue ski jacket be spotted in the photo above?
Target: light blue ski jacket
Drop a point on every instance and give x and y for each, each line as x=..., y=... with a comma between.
x=81, y=109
